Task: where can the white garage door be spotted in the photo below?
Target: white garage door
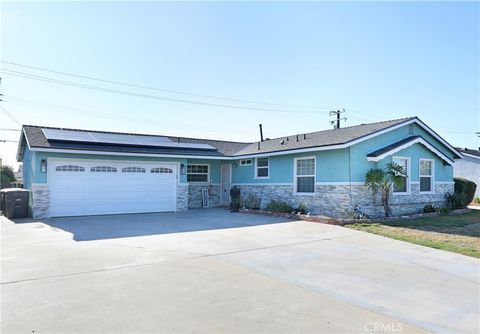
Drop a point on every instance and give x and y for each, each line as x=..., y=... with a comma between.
x=102, y=187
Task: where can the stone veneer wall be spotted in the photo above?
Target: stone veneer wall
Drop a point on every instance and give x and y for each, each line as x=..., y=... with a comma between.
x=195, y=195
x=40, y=195
x=335, y=200
x=182, y=197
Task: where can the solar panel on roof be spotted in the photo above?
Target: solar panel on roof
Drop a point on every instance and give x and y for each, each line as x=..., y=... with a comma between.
x=68, y=135
x=118, y=138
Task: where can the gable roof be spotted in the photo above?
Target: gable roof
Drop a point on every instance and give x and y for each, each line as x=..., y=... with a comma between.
x=402, y=144
x=34, y=137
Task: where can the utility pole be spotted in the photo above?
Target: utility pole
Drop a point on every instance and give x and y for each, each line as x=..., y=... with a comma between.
x=337, y=121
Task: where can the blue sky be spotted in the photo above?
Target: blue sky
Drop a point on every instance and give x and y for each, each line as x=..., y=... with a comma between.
x=378, y=60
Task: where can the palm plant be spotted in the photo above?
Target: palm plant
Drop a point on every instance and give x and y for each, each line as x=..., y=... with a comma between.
x=383, y=180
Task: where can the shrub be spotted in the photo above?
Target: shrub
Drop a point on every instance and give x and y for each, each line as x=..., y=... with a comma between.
x=429, y=208
x=477, y=200
x=279, y=206
x=443, y=211
x=302, y=208
x=252, y=202
x=467, y=187
x=456, y=200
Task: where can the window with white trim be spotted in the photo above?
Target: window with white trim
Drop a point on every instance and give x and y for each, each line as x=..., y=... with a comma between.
x=69, y=168
x=426, y=175
x=245, y=162
x=103, y=169
x=161, y=170
x=305, y=176
x=197, y=173
x=262, y=168
x=403, y=187
x=133, y=170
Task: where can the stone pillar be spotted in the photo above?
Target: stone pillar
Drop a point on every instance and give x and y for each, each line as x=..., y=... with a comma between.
x=182, y=197
x=40, y=200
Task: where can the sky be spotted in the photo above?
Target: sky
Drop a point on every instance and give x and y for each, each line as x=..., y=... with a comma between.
x=282, y=64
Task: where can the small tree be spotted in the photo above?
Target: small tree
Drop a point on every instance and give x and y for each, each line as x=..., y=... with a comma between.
x=7, y=175
x=384, y=180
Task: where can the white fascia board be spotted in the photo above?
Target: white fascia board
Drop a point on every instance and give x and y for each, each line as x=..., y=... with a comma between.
x=128, y=154
x=470, y=155
x=440, y=139
x=269, y=154
x=23, y=134
x=413, y=142
x=326, y=148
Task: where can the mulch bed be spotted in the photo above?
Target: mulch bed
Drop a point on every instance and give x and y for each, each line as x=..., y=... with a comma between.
x=342, y=221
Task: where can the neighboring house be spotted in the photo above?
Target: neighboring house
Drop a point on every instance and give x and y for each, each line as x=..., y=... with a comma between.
x=78, y=172
x=469, y=167
x=19, y=175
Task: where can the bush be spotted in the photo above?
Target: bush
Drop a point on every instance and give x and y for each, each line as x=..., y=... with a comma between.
x=443, y=211
x=477, y=200
x=302, y=208
x=279, y=206
x=252, y=202
x=467, y=187
x=456, y=200
x=428, y=208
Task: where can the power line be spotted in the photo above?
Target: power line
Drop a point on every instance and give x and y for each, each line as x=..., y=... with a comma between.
x=159, y=89
x=116, y=91
x=10, y=115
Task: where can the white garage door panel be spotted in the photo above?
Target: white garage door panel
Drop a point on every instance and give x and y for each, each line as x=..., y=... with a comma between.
x=74, y=193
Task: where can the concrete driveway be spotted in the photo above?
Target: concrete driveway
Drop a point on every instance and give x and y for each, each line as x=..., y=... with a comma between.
x=215, y=271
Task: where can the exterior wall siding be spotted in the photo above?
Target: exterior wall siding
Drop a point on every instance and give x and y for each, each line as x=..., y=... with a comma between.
x=195, y=195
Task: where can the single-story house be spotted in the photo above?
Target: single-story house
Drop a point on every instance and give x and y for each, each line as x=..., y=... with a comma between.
x=78, y=172
x=469, y=167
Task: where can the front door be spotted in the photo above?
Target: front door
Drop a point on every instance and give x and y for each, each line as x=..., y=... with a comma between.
x=225, y=183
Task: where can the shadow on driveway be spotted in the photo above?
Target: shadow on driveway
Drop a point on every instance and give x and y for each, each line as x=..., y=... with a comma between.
x=134, y=225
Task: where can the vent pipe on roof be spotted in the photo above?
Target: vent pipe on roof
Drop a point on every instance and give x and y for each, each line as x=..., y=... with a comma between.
x=297, y=137
x=258, y=145
x=304, y=136
x=261, y=132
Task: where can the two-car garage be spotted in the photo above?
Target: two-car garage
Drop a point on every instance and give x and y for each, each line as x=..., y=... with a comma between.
x=84, y=187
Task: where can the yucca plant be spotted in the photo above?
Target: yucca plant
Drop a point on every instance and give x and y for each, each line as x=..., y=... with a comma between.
x=383, y=180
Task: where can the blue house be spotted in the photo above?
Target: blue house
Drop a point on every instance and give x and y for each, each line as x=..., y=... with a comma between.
x=79, y=172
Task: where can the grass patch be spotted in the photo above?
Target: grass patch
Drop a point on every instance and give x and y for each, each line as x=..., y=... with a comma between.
x=458, y=233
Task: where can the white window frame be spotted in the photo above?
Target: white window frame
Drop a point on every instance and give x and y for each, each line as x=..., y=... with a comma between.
x=245, y=162
x=295, y=176
x=409, y=173
x=199, y=182
x=432, y=183
x=256, y=168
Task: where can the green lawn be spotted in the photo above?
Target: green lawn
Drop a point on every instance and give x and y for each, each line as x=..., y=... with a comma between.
x=458, y=233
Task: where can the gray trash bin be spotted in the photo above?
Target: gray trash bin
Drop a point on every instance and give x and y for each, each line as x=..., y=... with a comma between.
x=14, y=202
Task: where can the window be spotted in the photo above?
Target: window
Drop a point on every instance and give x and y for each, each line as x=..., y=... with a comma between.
x=133, y=170
x=103, y=169
x=426, y=175
x=403, y=187
x=161, y=170
x=69, y=168
x=197, y=173
x=305, y=175
x=262, y=168
x=245, y=162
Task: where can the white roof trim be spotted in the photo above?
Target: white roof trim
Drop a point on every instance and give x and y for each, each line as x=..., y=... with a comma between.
x=470, y=155
x=126, y=154
x=413, y=142
x=275, y=153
